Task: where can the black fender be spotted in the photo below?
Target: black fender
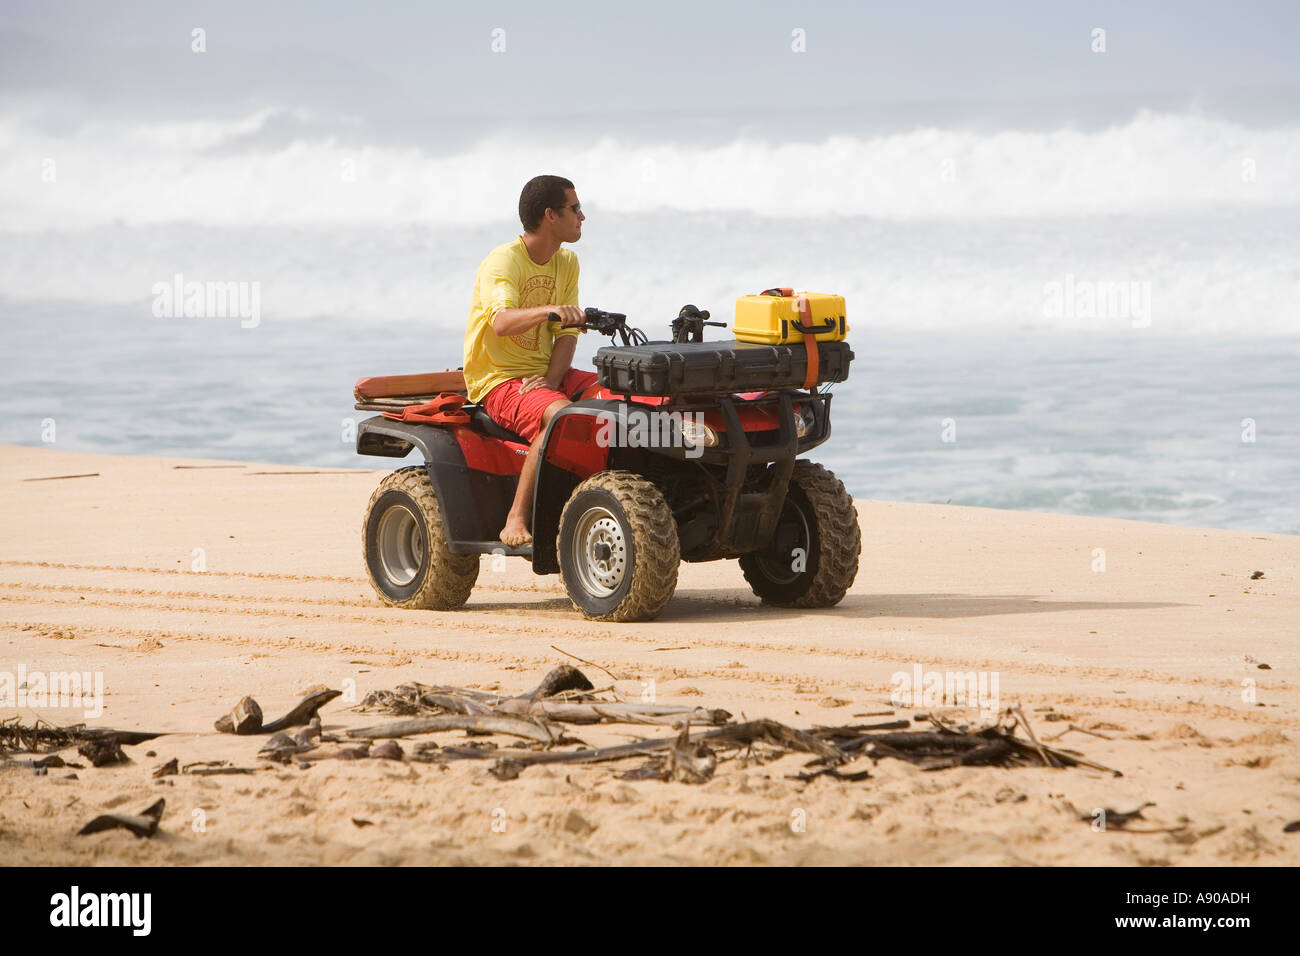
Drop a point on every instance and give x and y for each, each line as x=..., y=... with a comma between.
x=474, y=503
x=387, y=438
x=555, y=485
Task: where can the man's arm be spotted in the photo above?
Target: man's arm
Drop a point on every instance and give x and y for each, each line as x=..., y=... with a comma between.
x=515, y=321
x=561, y=360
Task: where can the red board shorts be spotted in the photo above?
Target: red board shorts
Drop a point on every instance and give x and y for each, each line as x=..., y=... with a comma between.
x=522, y=412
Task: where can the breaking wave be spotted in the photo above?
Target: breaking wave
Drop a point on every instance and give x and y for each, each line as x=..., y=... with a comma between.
x=223, y=173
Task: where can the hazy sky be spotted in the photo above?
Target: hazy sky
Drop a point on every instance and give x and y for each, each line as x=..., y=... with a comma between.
x=389, y=62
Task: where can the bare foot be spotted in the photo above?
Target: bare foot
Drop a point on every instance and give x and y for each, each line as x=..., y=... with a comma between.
x=515, y=533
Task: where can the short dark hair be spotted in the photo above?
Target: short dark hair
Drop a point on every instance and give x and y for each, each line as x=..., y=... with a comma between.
x=540, y=194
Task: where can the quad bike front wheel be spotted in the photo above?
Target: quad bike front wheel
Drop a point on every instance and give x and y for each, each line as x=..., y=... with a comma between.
x=812, y=558
x=406, y=550
x=618, y=548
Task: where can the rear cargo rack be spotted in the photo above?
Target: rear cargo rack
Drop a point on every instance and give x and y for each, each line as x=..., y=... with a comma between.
x=389, y=404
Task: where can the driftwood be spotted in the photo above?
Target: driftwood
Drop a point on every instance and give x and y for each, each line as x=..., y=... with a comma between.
x=944, y=748
x=304, y=712
x=356, y=752
x=852, y=731
x=692, y=758
x=145, y=824
x=595, y=713
x=220, y=771
x=565, y=677
x=513, y=726
x=1042, y=752
x=47, y=738
x=412, y=699
x=429, y=752
x=455, y=705
x=834, y=773
x=408, y=700
x=124, y=737
x=246, y=718
x=508, y=766
x=565, y=696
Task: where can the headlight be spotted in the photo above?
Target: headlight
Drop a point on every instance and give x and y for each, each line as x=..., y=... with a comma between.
x=698, y=434
x=804, y=421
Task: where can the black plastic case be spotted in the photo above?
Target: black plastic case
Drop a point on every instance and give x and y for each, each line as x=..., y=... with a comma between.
x=665, y=368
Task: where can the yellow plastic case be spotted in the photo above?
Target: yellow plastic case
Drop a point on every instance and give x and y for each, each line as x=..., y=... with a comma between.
x=775, y=319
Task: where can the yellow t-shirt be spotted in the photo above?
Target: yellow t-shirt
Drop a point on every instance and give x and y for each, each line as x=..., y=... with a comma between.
x=509, y=279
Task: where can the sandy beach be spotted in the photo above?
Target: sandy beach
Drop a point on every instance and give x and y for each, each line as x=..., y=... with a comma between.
x=191, y=583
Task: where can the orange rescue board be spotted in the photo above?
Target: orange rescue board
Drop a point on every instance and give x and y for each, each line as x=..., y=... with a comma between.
x=394, y=386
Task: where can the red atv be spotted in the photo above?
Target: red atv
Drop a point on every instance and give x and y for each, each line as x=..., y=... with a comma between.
x=684, y=450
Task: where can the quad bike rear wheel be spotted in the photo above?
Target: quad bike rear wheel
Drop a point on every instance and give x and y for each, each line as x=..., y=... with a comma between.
x=405, y=546
x=618, y=548
x=812, y=558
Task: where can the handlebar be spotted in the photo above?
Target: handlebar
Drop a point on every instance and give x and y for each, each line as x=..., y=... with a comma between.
x=687, y=327
x=597, y=320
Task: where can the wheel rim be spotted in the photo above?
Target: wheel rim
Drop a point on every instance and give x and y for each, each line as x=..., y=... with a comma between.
x=401, y=545
x=775, y=560
x=600, y=552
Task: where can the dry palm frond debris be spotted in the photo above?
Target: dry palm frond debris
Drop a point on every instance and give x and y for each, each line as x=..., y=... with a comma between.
x=536, y=723
x=565, y=696
x=43, y=737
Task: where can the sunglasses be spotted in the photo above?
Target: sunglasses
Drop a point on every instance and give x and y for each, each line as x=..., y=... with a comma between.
x=576, y=207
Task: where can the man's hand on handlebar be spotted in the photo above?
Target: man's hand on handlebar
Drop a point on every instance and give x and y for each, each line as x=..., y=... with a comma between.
x=569, y=315
x=596, y=320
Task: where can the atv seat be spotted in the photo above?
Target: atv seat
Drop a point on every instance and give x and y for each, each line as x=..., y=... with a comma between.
x=481, y=422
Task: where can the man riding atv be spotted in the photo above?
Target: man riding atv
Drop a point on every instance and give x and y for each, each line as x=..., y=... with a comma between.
x=517, y=365
x=709, y=466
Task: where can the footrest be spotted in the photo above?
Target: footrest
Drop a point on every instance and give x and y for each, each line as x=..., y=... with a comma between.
x=490, y=547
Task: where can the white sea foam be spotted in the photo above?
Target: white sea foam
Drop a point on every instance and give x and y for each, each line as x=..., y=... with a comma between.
x=1206, y=273
x=928, y=229
x=221, y=173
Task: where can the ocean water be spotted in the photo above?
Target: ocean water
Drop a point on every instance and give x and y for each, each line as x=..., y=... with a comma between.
x=1115, y=424
x=1098, y=318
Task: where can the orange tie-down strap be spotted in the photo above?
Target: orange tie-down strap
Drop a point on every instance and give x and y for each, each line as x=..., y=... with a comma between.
x=809, y=338
x=443, y=410
x=394, y=386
